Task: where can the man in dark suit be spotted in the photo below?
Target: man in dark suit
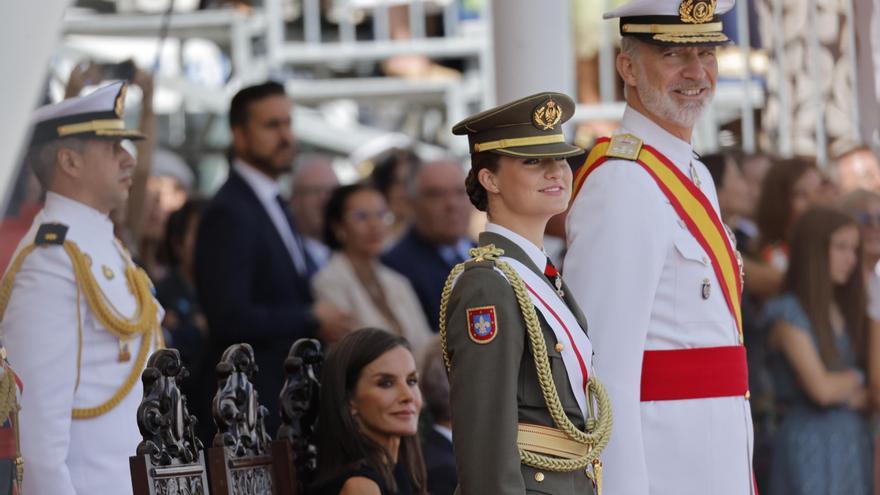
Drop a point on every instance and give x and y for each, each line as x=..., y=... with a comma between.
x=252, y=271
x=437, y=240
x=437, y=438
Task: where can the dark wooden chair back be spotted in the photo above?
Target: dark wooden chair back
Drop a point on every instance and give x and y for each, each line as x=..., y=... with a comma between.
x=241, y=460
x=299, y=412
x=170, y=458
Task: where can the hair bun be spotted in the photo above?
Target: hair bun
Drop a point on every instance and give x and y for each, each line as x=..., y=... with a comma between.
x=476, y=192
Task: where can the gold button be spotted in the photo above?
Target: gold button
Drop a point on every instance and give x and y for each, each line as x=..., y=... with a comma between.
x=539, y=476
x=559, y=347
x=748, y=394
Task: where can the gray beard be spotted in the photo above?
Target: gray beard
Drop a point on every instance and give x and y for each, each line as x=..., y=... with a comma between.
x=662, y=105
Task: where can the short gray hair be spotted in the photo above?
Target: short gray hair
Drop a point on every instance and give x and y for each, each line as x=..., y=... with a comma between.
x=42, y=157
x=630, y=46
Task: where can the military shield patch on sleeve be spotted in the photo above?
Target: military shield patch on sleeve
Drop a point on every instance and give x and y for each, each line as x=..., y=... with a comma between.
x=482, y=324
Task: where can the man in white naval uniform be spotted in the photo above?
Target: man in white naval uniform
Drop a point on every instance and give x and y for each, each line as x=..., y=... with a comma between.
x=81, y=317
x=682, y=423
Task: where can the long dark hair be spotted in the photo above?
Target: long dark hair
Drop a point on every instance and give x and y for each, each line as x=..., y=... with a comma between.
x=717, y=164
x=384, y=174
x=341, y=443
x=176, y=227
x=809, y=279
x=773, y=212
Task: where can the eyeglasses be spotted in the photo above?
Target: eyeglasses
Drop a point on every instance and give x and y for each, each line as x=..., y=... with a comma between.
x=360, y=215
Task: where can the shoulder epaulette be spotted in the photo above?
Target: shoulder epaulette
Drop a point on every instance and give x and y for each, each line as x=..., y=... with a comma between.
x=624, y=146
x=50, y=234
x=478, y=263
x=483, y=255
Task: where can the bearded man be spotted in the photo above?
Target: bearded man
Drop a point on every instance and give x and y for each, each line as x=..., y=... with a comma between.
x=252, y=269
x=657, y=272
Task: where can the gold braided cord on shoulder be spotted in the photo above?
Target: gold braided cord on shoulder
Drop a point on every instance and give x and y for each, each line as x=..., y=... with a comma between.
x=9, y=278
x=138, y=283
x=144, y=324
x=598, y=431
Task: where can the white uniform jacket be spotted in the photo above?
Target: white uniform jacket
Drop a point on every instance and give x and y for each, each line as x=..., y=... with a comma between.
x=638, y=274
x=65, y=456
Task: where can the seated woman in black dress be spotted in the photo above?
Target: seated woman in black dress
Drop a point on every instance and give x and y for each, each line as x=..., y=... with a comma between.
x=369, y=414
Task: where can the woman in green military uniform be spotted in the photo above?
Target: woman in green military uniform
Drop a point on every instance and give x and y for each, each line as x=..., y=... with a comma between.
x=528, y=415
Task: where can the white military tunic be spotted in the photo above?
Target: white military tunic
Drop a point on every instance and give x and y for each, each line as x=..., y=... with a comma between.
x=64, y=456
x=638, y=274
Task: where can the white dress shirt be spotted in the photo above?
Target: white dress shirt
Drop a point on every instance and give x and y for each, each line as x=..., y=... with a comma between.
x=637, y=272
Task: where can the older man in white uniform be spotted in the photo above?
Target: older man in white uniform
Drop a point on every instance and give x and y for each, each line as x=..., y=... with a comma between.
x=657, y=273
x=80, y=319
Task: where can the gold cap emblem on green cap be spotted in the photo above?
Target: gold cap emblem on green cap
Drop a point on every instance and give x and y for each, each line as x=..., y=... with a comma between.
x=547, y=116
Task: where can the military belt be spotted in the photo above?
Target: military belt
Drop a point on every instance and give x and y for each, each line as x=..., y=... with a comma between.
x=700, y=373
x=550, y=441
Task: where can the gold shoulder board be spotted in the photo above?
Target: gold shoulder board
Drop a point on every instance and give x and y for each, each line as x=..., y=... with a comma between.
x=625, y=146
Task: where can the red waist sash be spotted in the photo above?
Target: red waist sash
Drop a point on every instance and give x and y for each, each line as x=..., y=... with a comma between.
x=695, y=373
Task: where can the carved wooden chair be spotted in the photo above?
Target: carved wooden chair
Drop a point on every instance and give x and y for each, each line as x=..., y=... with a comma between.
x=240, y=461
x=170, y=458
x=295, y=443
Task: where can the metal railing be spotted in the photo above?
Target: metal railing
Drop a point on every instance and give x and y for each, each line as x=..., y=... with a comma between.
x=315, y=46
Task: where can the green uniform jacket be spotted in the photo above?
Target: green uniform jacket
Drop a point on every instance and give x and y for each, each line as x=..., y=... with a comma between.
x=494, y=386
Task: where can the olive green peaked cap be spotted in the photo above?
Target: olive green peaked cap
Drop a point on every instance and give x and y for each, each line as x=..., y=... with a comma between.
x=530, y=127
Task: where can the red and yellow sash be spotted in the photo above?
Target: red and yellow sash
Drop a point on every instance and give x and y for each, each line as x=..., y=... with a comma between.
x=692, y=206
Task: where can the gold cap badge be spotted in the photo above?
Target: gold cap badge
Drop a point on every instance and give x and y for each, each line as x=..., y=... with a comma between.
x=547, y=116
x=697, y=11
x=119, y=106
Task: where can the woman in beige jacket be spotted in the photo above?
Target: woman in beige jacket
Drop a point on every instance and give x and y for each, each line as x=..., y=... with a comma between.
x=356, y=225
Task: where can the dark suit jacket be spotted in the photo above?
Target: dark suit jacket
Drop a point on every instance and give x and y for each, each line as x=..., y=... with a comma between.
x=419, y=261
x=440, y=463
x=249, y=288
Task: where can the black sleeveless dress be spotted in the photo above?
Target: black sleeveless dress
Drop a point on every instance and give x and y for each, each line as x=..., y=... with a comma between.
x=334, y=485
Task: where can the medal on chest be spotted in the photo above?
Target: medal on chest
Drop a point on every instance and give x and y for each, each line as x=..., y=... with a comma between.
x=553, y=276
